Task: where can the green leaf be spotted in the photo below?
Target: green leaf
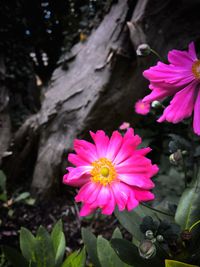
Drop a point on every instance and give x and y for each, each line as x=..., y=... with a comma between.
x=58, y=239
x=117, y=233
x=188, y=211
x=90, y=242
x=44, y=250
x=22, y=196
x=171, y=263
x=128, y=253
x=107, y=255
x=27, y=244
x=76, y=259
x=14, y=257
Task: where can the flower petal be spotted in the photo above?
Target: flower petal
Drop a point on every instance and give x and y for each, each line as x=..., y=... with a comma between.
x=86, y=210
x=101, y=141
x=86, y=150
x=181, y=106
x=114, y=145
x=196, y=120
x=143, y=195
x=137, y=180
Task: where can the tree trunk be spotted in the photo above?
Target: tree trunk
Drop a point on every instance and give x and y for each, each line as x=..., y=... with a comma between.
x=97, y=85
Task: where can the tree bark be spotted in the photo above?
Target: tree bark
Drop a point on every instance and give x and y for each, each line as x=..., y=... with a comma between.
x=98, y=90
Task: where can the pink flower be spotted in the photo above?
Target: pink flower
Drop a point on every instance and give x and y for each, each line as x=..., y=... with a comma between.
x=124, y=126
x=180, y=78
x=110, y=172
x=142, y=107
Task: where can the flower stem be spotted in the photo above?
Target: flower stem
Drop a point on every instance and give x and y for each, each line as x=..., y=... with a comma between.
x=159, y=211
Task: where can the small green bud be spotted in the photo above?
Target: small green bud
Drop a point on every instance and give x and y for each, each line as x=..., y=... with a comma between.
x=160, y=238
x=143, y=50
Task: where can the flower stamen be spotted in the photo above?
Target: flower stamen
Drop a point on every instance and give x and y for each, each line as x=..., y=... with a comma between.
x=196, y=69
x=103, y=171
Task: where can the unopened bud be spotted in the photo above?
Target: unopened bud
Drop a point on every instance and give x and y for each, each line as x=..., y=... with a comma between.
x=160, y=238
x=149, y=234
x=147, y=249
x=143, y=50
x=186, y=235
x=156, y=104
x=176, y=157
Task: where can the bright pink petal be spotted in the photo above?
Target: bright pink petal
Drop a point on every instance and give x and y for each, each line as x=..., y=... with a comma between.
x=192, y=51
x=77, y=160
x=142, y=107
x=181, y=106
x=103, y=197
x=196, y=120
x=129, y=144
x=121, y=194
x=132, y=201
x=76, y=173
x=88, y=193
x=137, y=179
x=109, y=207
x=85, y=150
x=86, y=210
x=143, y=151
x=143, y=195
x=114, y=145
x=76, y=182
x=101, y=141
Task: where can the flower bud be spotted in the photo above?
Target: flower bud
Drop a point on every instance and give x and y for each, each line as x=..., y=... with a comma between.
x=156, y=104
x=149, y=234
x=143, y=50
x=176, y=157
x=147, y=249
x=160, y=238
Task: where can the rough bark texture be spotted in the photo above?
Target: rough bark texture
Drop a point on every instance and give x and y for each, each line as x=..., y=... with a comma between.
x=102, y=81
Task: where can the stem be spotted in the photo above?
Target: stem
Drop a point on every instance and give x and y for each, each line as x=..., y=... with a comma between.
x=156, y=54
x=159, y=211
x=194, y=224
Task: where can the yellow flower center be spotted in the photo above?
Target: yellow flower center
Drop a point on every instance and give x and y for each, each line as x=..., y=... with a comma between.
x=103, y=171
x=196, y=69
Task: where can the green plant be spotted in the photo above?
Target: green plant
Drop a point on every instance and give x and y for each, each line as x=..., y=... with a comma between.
x=44, y=250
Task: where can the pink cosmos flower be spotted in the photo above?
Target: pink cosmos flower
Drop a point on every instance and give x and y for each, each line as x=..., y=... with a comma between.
x=110, y=172
x=181, y=78
x=124, y=126
x=142, y=107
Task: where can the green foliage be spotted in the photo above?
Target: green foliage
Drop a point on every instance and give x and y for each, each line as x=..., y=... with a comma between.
x=100, y=251
x=188, y=211
x=90, y=242
x=44, y=250
x=59, y=243
x=76, y=259
x=171, y=263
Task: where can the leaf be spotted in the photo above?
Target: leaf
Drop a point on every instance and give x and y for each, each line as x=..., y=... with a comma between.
x=27, y=244
x=171, y=263
x=76, y=259
x=117, y=233
x=58, y=239
x=90, y=242
x=22, y=196
x=107, y=255
x=14, y=257
x=128, y=253
x=44, y=250
x=188, y=210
